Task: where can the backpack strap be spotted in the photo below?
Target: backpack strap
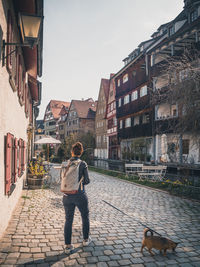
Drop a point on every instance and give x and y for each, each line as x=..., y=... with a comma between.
x=67, y=167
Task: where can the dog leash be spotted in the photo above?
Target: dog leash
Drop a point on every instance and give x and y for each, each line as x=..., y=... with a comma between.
x=151, y=230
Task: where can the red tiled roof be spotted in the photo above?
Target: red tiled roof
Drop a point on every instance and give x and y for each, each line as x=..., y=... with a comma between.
x=56, y=106
x=84, y=108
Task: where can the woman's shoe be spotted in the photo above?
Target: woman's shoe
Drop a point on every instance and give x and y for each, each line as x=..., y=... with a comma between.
x=68, y=249
x=86, y=242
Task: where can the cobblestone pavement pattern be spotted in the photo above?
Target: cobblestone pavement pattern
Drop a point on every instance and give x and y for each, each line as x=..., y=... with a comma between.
x=34, y=236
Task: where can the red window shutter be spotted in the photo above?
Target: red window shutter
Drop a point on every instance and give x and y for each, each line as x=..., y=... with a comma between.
x=24, y=155
x=19, y=157
x=16, y=146
x=9, y=140
x=9, y=40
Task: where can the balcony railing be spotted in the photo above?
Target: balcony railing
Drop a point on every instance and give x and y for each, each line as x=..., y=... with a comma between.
x=141, y=130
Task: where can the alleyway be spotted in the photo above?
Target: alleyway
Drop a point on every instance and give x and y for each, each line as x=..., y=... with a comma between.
x=35, y=233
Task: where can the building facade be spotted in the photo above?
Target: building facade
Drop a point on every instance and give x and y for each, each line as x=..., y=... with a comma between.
x=147, y=120
x=134, y=113
x=51, y=117
x=81, y=117
x=62, y=122
x=173, y=41
x=20, y=97
x=113, y=147
x=101, y=150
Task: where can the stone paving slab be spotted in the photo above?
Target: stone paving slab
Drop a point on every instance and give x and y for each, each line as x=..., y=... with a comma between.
x=34, y=236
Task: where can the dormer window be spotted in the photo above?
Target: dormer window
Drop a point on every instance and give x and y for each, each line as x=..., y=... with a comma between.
x=171, y=30
x=193, y=15
x=125, y=78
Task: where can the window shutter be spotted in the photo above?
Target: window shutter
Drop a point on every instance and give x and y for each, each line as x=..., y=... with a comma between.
x=16, y=146
x=9, y=40
x=9, y=140
x=19, y=157
x=24, y=155
x=26, y=100
x=23, y=86
x=19, y=77
x=17, y=68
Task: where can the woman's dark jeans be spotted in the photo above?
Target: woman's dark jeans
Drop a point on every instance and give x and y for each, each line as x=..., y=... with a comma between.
x=70, y=202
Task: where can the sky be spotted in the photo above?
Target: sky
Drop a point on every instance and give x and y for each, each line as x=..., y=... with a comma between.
x=86, y=40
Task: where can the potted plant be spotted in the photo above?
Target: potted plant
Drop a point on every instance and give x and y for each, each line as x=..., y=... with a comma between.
x=36, y=174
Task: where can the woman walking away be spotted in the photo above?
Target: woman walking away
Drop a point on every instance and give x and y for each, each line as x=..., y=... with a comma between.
x=73, y=178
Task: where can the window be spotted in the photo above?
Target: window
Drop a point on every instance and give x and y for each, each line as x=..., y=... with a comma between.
x=145, y=118
x=111, y=93
x=171, y=30
x=134, y=96
x=111, y=106
x=52, y=123
x=185, y=146
x=118, y=82
x=134, y=72
x=125, y=78
x=136, y=120
x=143, y=91
x=120, y=102
x=126, y=99
x=115, y=121
x=128, y=122
x=152, y=60
x=120, y=124
x=193, y=15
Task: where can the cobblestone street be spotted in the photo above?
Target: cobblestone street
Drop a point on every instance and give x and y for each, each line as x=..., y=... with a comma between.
x=34, y=236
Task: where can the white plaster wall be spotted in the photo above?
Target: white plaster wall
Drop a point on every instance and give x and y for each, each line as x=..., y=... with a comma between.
x=13, y=120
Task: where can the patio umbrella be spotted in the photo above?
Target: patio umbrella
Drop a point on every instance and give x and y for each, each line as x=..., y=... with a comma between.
x=47, y=140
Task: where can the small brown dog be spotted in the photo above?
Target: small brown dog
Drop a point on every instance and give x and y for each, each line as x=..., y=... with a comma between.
x=157, y=242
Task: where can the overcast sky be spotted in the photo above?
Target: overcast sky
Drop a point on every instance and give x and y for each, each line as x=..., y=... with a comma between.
x=86, y=40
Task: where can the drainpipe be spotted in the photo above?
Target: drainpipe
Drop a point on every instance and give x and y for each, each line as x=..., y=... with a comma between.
x=180, y=148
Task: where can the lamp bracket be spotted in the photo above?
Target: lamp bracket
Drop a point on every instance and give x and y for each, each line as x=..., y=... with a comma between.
x=14, y=44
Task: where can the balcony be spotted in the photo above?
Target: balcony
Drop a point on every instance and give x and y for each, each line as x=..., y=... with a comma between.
x=166, y=125
x=134, y=106
x=141, y=130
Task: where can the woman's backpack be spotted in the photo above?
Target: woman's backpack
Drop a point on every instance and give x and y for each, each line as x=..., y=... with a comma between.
x=70, y=177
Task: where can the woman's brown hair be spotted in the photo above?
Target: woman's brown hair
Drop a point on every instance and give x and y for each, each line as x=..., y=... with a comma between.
x=77, y=149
